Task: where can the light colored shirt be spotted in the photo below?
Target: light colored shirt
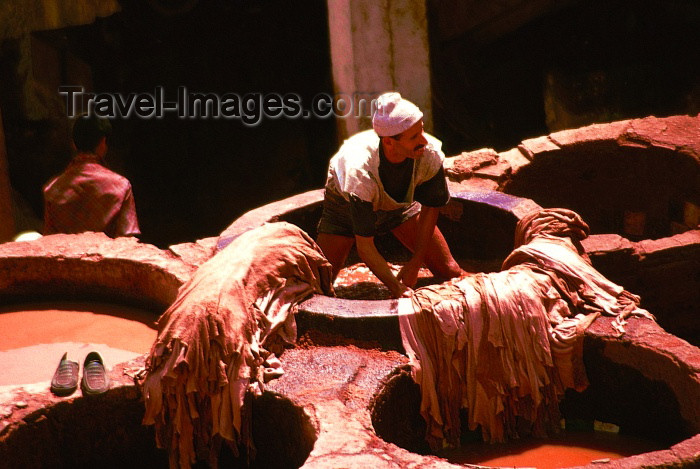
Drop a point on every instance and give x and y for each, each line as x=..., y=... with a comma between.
x=354, y=170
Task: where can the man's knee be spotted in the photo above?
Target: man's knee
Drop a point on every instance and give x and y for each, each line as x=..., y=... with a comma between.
x=445, y=267
x=452, y=269
x=439, y=258
x=336, y=249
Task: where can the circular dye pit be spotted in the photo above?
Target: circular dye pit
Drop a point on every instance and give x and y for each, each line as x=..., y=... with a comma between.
x=357, y=282
x=627, y=410
x=479, y=227
x=636, y=183
x=637, y=189
x=79, y=286
x=106, y=431
x=34, y=336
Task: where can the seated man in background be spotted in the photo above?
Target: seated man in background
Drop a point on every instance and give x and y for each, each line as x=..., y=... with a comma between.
x=389, y=178
x=87, y=196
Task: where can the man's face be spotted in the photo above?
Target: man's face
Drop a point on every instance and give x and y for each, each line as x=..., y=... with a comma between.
x=411, y=143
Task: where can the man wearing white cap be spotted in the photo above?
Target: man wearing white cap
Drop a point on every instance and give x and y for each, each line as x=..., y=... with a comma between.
x=389, y=178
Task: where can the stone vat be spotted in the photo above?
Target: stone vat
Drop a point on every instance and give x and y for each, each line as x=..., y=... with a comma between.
x=479, y=226
x=646, y=382
x=635, y=182
x=39, y=429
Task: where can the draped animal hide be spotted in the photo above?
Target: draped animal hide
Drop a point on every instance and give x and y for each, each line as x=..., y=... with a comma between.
x=216, y=338
x=505, y=346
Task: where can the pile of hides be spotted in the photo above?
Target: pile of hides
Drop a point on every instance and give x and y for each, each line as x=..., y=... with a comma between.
x=505, y=346
x=216, y=342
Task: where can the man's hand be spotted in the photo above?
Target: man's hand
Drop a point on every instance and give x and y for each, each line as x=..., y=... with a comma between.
x=401, y=291
x=408, y=275
x=378, y=265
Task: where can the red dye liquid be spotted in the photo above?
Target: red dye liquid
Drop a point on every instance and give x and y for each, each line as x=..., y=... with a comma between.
x=567, y=449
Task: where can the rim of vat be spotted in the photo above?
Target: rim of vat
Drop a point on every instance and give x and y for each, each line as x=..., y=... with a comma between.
x=356, y=308
x=91, y=266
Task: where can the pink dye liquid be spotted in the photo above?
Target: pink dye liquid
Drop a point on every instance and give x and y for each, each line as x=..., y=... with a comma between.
x=33, y=337
x=567, y=449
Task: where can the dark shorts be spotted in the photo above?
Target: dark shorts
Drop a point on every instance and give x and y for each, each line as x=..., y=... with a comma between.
x=336, y=218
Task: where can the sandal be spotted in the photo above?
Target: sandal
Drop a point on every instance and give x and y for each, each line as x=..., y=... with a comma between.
x=95, y=380
x=65, y=378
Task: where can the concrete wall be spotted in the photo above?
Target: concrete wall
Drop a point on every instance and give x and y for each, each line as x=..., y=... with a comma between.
x=378, y=46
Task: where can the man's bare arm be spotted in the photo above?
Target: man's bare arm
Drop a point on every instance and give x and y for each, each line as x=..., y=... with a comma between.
x=378, y=265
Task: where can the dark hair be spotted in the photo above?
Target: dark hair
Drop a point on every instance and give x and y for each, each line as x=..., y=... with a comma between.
x=89, y=130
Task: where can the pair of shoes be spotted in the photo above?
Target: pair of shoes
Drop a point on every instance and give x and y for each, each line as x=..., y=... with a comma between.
x=95, y=380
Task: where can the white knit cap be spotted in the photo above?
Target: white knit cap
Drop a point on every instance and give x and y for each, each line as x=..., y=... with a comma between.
x=394, y=115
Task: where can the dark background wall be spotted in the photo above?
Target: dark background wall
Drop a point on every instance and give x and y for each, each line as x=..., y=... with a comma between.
x=192, y=177
x=502, y=72
x=516, y=69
